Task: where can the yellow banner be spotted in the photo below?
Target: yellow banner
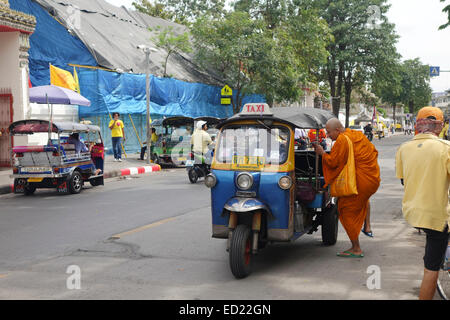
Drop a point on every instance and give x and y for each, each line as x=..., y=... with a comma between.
x=62, y=78
x=77, y=82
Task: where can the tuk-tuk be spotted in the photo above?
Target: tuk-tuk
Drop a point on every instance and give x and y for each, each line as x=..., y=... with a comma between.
x=265, y=189
x=58, y=164
x=173, y=146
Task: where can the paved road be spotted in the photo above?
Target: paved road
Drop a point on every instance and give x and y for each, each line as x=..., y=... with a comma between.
x=150, y=238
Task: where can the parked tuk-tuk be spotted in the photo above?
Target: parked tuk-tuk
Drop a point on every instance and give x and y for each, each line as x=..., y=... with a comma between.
x=58, y=164
x=264, y=189
x=173, y=146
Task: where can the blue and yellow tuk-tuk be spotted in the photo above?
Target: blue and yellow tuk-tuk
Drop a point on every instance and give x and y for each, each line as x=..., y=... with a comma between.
x=59, y=163
x=264, y=189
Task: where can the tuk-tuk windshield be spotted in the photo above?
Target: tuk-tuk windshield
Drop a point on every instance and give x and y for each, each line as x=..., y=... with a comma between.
x=247, y=144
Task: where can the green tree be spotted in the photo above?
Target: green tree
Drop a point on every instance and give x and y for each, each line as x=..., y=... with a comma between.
x=447, y=11
x=172, y=42
x=155, y=10
x=182, y=11
x=387, y=84
x=363, y=40
x=252, y=58
x=415, y=82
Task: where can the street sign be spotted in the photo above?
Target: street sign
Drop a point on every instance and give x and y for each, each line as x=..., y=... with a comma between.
x=226, y=91
x=225, y=101
x=435, y=71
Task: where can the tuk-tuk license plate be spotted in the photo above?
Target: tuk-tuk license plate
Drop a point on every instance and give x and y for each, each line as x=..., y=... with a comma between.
x=35, y=179
x=35, y=169
x=247, y=162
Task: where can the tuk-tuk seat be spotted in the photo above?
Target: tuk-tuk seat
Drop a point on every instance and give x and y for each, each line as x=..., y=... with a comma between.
x=25, y=149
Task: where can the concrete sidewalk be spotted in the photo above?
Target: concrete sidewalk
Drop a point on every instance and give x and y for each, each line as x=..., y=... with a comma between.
x=129, y=166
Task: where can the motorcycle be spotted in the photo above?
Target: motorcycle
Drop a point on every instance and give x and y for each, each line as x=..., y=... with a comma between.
x=199, y=166
x=369, y=136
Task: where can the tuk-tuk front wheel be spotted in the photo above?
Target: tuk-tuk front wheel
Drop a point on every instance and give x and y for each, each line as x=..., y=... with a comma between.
x=75, y=183
x=241, y=251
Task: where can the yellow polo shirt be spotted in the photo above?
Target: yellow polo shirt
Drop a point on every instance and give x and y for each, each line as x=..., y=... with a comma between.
x=424, y=165
x=116, y=131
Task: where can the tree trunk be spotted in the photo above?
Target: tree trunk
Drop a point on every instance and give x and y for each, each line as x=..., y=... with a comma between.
x=348, y=95
x=411, y=106
x=393, y=108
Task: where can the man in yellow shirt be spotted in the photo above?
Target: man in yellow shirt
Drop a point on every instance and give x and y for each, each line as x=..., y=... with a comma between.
x=154, y=139
x=117, y=134
x=423, y=164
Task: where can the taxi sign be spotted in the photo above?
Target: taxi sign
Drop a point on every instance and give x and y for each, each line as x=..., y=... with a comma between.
x=226, y=91
x=256, y=109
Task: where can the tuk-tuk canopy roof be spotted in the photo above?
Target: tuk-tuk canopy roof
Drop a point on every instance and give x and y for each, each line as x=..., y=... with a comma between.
x=303, y=118
x=35, y=126
x=185, y=121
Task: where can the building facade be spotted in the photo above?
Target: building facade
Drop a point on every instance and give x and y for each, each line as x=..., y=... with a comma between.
x=15, y=31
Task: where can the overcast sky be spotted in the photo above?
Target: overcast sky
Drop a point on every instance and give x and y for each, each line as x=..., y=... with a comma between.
x=417, y=23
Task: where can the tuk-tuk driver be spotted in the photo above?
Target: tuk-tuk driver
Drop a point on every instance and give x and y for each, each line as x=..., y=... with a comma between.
x=200, y=140
x=74, y=139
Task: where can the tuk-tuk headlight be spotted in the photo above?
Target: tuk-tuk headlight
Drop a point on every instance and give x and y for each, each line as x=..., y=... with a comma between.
x=244, y=181
x=210, y=180
x=285, y=182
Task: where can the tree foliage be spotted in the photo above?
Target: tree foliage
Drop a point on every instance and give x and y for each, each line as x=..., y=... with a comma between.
x=447, y=11
x=185, y=12
x=172, y=42
x=415, y=82
x=253, y=54
x=364, y=40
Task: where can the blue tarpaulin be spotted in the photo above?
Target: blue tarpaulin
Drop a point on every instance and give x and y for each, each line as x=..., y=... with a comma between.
x=110, y=92
x=50, y=43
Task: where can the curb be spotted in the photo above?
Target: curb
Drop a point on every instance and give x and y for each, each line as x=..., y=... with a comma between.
x=5, y=189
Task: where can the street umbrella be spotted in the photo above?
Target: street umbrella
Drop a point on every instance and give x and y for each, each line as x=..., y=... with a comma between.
x=56, y=95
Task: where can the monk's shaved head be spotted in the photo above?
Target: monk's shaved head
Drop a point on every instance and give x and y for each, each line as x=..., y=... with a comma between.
x=334, y=124
x=334, y=128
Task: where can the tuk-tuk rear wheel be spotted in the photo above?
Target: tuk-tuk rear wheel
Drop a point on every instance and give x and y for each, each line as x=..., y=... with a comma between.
x=241, y=251
x=330, y=223
x=29, y=190
x=75, y=183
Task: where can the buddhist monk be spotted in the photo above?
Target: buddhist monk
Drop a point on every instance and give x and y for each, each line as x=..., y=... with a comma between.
x=352, y=209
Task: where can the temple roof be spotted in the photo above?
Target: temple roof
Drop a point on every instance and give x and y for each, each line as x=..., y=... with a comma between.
x=12, y=20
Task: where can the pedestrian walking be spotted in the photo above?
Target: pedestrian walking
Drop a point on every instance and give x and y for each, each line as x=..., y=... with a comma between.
x=352, y=209
x=423, y=165
x=117, y=133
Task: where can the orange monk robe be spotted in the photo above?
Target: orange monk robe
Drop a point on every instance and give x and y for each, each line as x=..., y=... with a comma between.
x=353, y=209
